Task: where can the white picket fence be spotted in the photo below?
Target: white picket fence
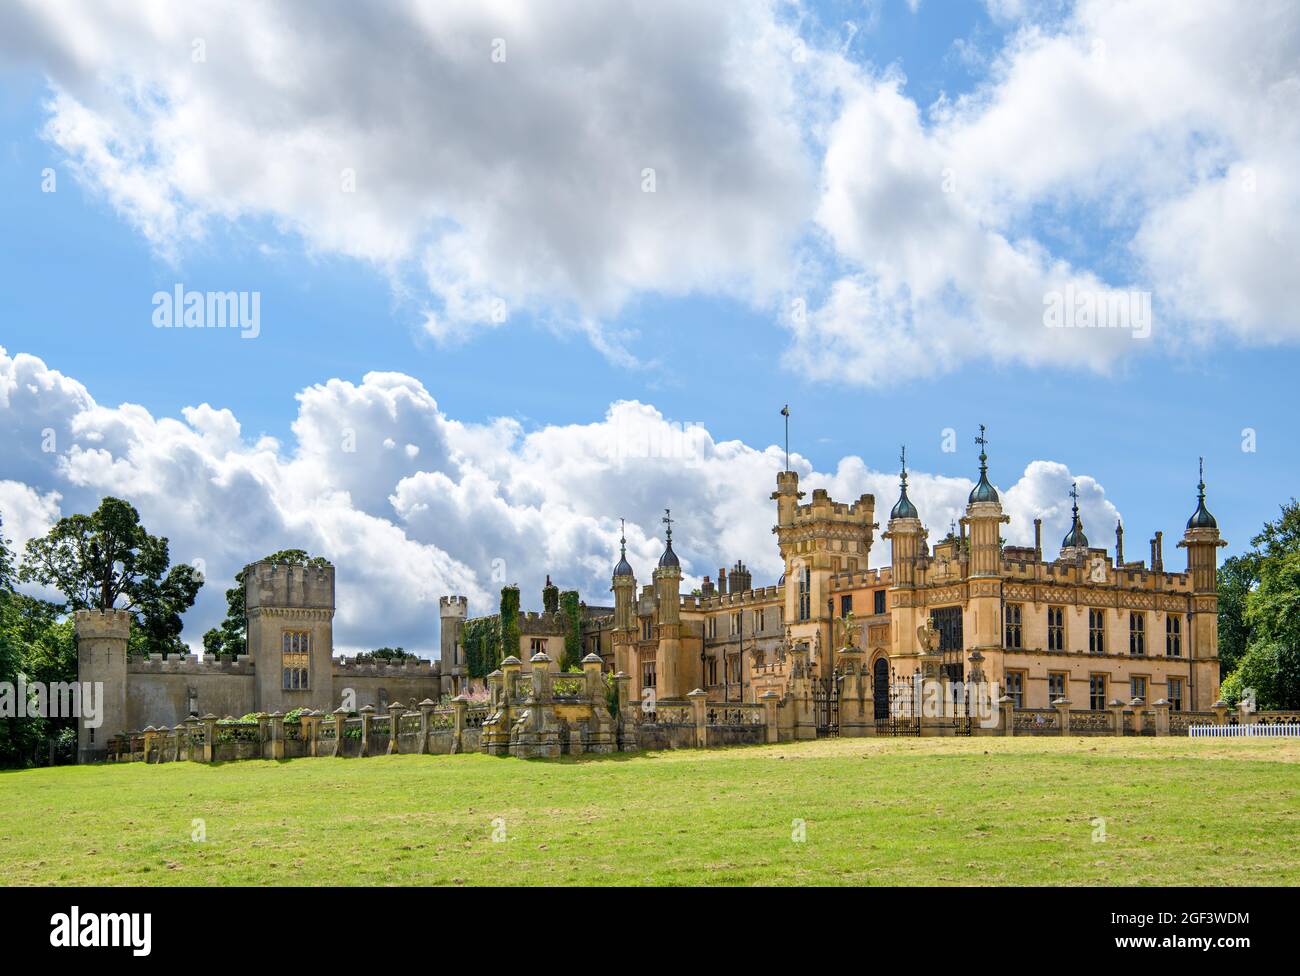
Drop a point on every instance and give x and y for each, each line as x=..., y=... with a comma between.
x=1291, y=730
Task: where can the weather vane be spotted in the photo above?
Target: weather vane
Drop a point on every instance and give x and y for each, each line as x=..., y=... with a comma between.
x=668, y=521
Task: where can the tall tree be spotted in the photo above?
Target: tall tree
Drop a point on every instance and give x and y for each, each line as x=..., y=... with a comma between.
x=1270, y=623
x=108, y=560
x=36, y=645
x=1282, y=536
x=1237, y=577
x=6, y=561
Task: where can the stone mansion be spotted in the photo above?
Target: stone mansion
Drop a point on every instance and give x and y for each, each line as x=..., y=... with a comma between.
x=1084, y=627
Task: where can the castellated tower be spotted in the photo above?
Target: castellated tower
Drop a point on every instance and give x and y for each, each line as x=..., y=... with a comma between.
x=982, y=625
x=672, y=675
x=290, y=612
x=1202, y=542
x=817, y=541
x=905, y=534
x=452, y=611
x=101, y=661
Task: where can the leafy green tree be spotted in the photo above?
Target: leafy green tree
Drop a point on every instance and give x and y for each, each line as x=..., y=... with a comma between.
x=1273, y=607
x=108, y=560
x=1267, y=582
x=1237, y=577
x=6, y=561
x=36, y=645
x=1280, y=537
x=392, y=655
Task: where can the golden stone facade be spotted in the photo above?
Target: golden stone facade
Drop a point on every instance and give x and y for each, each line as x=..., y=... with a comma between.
x=1085, y=628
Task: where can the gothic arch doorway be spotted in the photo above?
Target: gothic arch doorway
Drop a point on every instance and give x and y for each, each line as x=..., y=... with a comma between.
x=880, y=687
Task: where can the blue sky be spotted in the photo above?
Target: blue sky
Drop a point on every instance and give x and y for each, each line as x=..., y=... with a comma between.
x=77, y=273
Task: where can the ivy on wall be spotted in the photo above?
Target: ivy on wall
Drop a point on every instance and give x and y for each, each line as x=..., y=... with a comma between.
x=550, y=597
x=572, y=612
x=481, y=641
x=509, y=621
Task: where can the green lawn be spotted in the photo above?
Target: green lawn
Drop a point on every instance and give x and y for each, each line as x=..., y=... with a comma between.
x=904, y=811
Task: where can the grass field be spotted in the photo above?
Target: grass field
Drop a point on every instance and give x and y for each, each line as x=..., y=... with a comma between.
x=887, y=812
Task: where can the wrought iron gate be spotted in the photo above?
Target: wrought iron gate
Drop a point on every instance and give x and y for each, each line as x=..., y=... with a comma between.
x=956, y=713
x=903, y=713
x=826, y=705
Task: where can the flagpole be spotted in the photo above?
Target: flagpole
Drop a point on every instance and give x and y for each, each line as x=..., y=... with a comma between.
x=785, y=412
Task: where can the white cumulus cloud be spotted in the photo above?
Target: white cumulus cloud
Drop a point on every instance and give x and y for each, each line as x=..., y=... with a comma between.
x=479, y=505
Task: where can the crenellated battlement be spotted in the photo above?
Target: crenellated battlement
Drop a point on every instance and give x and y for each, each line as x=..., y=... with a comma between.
x=719, y=601
x=270, y=585
x=345, y=666
x=102, y=624
x=823, y=506
x=453, y=606
x=190, y=664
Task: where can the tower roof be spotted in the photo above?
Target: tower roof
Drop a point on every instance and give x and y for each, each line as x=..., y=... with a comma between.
x=669, y=558
x=983, y=492
x=624, y=568
x=1075, y=539
x=903, y=508
x=1201, y=518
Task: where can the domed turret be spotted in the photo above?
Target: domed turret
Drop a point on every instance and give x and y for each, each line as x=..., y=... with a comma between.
x=904, y=507
x=983, y=492
x=624, y=568
x=669, y=558
x=1075, y=539
x=1201, y=518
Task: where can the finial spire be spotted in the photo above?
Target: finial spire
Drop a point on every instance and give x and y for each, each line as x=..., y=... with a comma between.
x=785, y=412
x=1075, y=539
x=669, y=558
x=904, y=508
x=1201, y=518
x=983, y=491
x=622, y=537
